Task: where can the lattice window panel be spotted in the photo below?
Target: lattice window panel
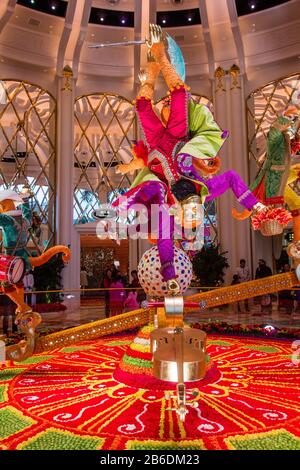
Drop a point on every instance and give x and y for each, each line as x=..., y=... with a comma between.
x=105, y=130
x=264, y=106
x=28, y=151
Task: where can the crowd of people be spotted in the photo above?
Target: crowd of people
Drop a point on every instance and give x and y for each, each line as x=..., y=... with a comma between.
x=123, y=295
x=288, y=300
x=120, y=294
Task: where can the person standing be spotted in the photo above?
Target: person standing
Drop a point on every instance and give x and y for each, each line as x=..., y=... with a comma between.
x=243, y=273
x=234, y=282
x=135, y=284
x=286, y=297
x=107, y=280
x=8, y=311
x=116, y=295
x=28, y=281
x=131, y=303
x=83, y=279
x=261, y=272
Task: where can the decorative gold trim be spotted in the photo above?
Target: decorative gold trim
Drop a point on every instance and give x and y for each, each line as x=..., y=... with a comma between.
x=234, y=72
x=198, y=97
x=67, y=75
x=220, y=73
x=95, y=330
x=143, y=317
x=245, y=290
x=25, y=348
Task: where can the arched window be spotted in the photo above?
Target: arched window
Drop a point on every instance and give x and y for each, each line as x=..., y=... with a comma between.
x=264, y=106
x=28, y=152
x=105, y=130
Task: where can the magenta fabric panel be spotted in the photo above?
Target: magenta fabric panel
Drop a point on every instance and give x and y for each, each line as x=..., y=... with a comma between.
x=178, y=121
x=231, y=180
x=165, y=244
x=150, y=122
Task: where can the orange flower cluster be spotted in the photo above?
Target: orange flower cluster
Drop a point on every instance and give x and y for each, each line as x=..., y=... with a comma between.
x=280, y=214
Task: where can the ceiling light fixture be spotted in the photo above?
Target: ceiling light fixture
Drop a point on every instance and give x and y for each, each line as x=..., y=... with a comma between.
x=53, y=7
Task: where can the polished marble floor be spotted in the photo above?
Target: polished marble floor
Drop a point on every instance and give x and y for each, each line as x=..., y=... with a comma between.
x=95, y=310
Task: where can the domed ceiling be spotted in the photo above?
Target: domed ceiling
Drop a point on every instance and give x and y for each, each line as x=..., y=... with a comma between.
x=49, y=34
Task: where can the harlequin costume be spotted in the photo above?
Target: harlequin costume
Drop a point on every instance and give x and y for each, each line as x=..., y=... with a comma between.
x=278, y=181
x=169, y=153
x=271, y=180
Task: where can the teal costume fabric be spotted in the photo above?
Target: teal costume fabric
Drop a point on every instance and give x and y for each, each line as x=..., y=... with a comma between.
x=15, y=226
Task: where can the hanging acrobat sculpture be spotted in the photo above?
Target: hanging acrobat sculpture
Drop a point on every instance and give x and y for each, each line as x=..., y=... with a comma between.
x=178, y=157
x=278, y=181
x=15, y=222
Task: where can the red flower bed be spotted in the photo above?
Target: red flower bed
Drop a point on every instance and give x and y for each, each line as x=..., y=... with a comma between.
x=247, y=330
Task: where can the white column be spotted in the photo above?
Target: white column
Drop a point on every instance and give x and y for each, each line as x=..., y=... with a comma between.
x=262, y=247
x=239, y=161
x=65, y=174
x=234, y=235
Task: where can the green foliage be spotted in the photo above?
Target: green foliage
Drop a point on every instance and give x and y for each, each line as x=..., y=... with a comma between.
x=48, y=277
x=209, y=265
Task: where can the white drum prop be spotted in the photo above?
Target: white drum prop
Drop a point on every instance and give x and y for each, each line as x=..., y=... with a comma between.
x=12, y=269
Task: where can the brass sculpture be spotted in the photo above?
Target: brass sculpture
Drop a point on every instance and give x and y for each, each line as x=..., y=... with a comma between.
x=25, y=348
x=179, y=353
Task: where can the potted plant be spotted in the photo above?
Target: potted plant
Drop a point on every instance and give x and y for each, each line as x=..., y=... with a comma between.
x=209, y=265
x=48, y=277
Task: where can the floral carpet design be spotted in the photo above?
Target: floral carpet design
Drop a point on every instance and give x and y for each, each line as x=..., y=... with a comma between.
x=94, y=396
